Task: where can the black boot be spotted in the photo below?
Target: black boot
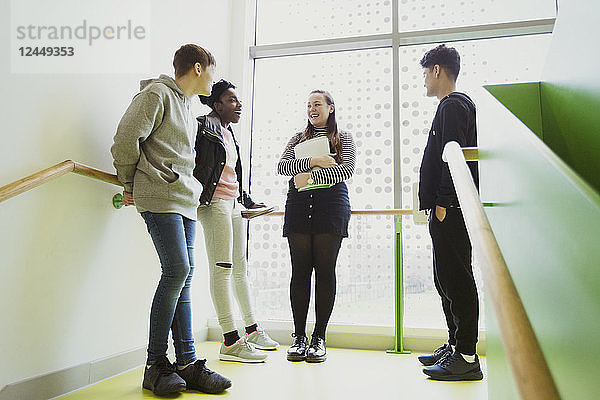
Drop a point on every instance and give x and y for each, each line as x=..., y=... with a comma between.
x=297, y=352
x=317, y=351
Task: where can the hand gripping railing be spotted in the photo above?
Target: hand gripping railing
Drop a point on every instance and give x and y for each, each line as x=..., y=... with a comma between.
x=528, y=365
x=55, y=171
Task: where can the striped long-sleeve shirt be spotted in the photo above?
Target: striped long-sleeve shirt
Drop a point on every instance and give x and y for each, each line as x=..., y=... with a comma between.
x=289, y=165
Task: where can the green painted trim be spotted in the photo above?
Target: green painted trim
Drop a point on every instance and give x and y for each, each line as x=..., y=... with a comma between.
x=398, y=291
x=490, y=204
x=571, y=124
x=564, y=117
x=523, y=100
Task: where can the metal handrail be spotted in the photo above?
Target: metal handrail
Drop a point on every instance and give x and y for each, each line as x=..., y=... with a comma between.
x=527, y=362
x=387, y=211
x=470, y=153
x=34, y=180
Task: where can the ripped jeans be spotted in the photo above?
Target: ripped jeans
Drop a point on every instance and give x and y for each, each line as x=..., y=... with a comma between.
x=225, y=238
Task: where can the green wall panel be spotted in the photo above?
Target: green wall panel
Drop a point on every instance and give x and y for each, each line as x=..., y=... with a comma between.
x=523, y=100
x=566, y=118
x=571, y=126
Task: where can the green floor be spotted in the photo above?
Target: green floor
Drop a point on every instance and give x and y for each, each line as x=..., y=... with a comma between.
x=347, y=374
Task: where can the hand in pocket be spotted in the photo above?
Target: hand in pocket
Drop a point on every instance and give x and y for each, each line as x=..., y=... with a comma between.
x=440, y=213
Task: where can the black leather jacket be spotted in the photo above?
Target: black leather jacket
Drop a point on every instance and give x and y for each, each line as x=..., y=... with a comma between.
x=210, y=159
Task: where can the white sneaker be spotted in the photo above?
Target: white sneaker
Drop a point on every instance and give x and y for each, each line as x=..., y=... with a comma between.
x=261, y=340
x=241, y=351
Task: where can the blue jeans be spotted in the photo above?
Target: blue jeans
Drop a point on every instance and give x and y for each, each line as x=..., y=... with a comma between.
x=173, y=236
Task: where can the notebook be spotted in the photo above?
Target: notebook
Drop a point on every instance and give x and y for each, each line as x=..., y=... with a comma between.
x=255, y=212
x=313, y=148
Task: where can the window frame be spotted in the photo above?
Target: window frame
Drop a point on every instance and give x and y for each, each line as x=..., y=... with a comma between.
x=419, y=338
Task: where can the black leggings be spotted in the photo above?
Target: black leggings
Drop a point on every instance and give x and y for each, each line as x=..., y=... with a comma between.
x=308, y=251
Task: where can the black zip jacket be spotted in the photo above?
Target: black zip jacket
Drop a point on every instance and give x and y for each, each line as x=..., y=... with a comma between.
x=210, y=159
x=454, y=121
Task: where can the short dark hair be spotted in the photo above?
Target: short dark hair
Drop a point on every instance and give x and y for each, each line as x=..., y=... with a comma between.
x=216, y=92
x=446, y=57
x=188, y=55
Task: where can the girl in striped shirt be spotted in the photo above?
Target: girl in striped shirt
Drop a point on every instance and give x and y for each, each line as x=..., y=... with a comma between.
x=316, y=221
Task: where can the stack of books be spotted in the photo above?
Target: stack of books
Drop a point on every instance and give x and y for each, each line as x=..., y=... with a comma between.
x=313, y=148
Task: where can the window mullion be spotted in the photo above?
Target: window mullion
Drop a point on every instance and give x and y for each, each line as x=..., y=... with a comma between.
x=475, y=32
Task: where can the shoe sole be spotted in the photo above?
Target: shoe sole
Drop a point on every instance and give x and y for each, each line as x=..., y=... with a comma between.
x=182, y=388
x=264, y=347
x=471, y=376
x=316, y=359
x=215, y=391
x=295, y=358
x=225, y=357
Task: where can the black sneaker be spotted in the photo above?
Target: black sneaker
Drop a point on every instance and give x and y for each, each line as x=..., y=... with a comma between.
x=161, y=378
x=198, y=377
x=438, y=354
x=455, y=368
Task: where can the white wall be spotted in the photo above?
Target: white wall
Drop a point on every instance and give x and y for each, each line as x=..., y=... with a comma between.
x=573, y=43
x=76, y=276
x=241, y=74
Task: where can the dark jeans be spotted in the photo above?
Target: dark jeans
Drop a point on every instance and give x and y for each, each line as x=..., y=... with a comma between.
x=454, y=281
x=173, y=236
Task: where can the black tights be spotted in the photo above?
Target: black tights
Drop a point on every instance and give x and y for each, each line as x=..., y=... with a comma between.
x=318, y=251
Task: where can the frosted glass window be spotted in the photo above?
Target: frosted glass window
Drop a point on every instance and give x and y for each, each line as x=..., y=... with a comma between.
x=517, y=59
x=280, y=21
x=360, y=83
x=416, y=15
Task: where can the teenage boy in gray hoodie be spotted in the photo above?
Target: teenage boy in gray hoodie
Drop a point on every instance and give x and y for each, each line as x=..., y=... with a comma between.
x=154, y=157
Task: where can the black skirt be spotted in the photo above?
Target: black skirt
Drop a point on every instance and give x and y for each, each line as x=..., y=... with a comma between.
x=317, y=210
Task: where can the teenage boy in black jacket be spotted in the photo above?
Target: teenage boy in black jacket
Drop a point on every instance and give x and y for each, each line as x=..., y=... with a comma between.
x=452, y=270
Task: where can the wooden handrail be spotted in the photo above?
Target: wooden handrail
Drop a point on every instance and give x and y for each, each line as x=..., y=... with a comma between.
x=528, y=365
x=95, y=173
x=60, y=169
x=53, y=172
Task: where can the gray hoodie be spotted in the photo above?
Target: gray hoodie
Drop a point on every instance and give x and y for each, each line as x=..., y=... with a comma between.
x=153, y=150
